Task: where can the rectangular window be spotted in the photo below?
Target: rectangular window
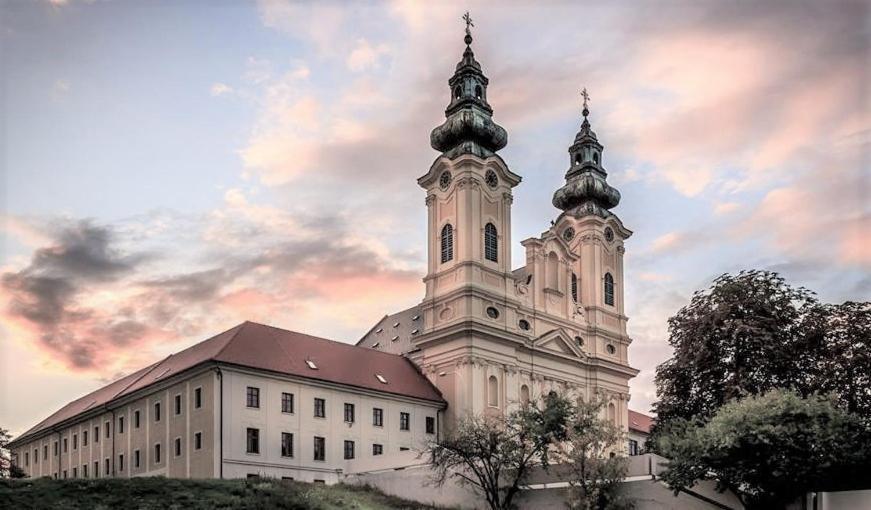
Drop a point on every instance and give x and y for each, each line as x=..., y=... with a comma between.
x=55, y=449
x=75, y=472
x=252, y=397
x=157, y=453
x=320, y=408
x=403, y=421
x=286, y=444
x=36, y=455
x=253, y=441
x=26, y=459
x=65, y=474
x=45, y=452
x=349, y=413
x=287, y=402
x=108, y=465
x=349, y=450
x=177, y=447
x=403, y=448
x=157, y=411
x=177, y=405
x=198, y=440
x=66, y=445
x=84, y=471
x=136, y=459
x=120, y=425
x=97, y=469
x=377, y=417
x=108, y=429
x=430, y=425
x=198, y=398
x=121, y=462
x=75, y=442
x=633, y=447
x=320, y=448
x=85, y=438
x=377, y=449
x=135, y=420
x=96, y=433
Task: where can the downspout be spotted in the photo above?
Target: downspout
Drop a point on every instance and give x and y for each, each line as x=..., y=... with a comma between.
x=112, y=435
x=221, y=423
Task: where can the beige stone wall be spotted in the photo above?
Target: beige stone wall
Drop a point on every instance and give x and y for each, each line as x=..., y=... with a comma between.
x=100, y=449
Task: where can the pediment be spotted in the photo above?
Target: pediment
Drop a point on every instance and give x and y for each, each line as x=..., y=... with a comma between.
x=560, y=342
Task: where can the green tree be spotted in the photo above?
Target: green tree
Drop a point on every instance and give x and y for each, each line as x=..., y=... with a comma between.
x=7, y=469
x=494, y=454
x=594, y=473
x=743, y=336
x=838, y=354
x=767, y=449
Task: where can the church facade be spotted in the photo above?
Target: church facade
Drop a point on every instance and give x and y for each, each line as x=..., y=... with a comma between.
x=489, y=336
x=262, y=401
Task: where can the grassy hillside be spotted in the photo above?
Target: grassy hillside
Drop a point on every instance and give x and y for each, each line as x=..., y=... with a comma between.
x=167, y=493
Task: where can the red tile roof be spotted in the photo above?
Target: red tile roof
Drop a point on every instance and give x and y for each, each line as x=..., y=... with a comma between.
x=278, y=350
x=640, y=422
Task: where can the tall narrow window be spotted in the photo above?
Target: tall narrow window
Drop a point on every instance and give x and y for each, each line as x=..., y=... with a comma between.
x=612, y=413
x=287, y=402
x=252, y=440
x=377, y=417
x=493, y=391
x=320, y=448
x=320, y=408
x=447, y=243
x=430, y=425
x=575, y=287
x=524, y=394
x=135, y=420
x=157, y=411
x=157, y=453
x=198, y=440
x=286, y=444
x=553, y=270
x=609, y=289
x=349, y=413
x=491, y=243
x=177, y=405
x=349, y=450
x=198, y=398
x=404, y=419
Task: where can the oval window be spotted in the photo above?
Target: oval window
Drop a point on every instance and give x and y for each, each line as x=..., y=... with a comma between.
x=492, y=312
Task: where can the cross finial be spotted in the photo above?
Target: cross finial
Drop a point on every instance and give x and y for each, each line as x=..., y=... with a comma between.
x=586, y=97
x=468, y=20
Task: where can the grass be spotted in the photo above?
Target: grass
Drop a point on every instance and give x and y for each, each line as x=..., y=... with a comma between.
x=170, y=493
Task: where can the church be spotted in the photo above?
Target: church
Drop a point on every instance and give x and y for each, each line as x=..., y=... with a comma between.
x=257, y=400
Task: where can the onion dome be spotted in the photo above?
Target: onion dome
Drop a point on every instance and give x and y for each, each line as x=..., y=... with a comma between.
x=586, y=190
x=469, y=126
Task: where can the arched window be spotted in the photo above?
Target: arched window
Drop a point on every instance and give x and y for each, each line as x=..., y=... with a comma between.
x=524, y=394
x=447, y=243
x=553, y=270
x=478, y=92
x=609, y=289
x=578, y=158
x=575, y=287
x=596, y=157
x=458, y=92
x=491, y=243
x=612, y=413
x=493, y=391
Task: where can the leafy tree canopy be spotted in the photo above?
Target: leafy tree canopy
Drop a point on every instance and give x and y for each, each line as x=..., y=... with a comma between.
x=768, y=449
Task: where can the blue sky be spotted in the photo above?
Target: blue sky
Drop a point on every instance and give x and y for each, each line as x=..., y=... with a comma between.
x=173, y=168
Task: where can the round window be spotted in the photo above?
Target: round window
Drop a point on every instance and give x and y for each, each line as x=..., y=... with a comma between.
x=611, y=349
x=445, y=180
x=491, y=179
x=492, y=312
x=568, y=234
x=524, y=324
x=609, y=234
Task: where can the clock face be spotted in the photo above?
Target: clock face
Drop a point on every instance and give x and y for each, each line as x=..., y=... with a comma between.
x=491, y=179
x=568, y=234
x=445, y=180
x=609, y=234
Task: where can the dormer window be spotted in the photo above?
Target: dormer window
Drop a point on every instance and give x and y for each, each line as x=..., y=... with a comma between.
x=414, y=331
x=416, y=317
x=375, y=345
x=394, y=338
x=395, y=324
x=311, y=364
x=381, y=378
x=379, y=330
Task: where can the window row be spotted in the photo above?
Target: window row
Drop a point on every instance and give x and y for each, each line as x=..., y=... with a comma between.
x=491, y=243
x=252, y=399
x=319, y=446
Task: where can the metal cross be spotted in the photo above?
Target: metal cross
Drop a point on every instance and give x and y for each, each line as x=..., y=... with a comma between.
x=468, y=20
x=586, y=96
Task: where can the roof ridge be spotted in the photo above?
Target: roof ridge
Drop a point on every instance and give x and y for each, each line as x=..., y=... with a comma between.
x=238, y=328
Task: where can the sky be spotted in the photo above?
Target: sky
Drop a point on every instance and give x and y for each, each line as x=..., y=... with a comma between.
x=171, y=169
